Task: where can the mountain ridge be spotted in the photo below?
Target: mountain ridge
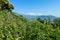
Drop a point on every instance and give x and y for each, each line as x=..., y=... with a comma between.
x=33, y=17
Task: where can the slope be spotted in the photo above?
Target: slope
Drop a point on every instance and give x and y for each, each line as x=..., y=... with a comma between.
x=11, y=25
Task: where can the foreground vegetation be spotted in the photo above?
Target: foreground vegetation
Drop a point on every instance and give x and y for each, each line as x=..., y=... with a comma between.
x=17, y=27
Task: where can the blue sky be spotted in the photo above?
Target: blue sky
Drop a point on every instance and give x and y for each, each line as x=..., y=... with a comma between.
x=37, y=7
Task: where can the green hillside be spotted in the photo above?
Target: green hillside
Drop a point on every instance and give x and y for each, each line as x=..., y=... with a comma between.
x=9, y=22
x=16, y=27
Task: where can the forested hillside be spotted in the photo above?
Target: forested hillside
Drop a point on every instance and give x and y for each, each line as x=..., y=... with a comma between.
x=16, y=27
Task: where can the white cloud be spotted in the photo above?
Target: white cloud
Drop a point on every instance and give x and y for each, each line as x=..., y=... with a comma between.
x=36, y=14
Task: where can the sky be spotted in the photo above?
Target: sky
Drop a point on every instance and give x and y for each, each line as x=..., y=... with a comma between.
x=37, y=7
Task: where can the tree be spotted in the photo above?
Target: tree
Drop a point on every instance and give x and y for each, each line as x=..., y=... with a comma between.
x=40, y=20
x=57, y=22
x=4, y=4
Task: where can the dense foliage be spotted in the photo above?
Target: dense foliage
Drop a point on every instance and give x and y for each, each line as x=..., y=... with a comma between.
x=17, y=27
x=4, y=4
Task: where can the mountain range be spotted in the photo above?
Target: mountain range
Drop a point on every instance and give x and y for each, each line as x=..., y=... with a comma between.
x=33, y=17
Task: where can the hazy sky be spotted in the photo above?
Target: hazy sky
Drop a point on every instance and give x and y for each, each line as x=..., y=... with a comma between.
x=37, y=7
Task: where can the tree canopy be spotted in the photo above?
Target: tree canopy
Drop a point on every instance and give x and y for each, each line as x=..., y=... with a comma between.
x=57, y=22
x=5, y=4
